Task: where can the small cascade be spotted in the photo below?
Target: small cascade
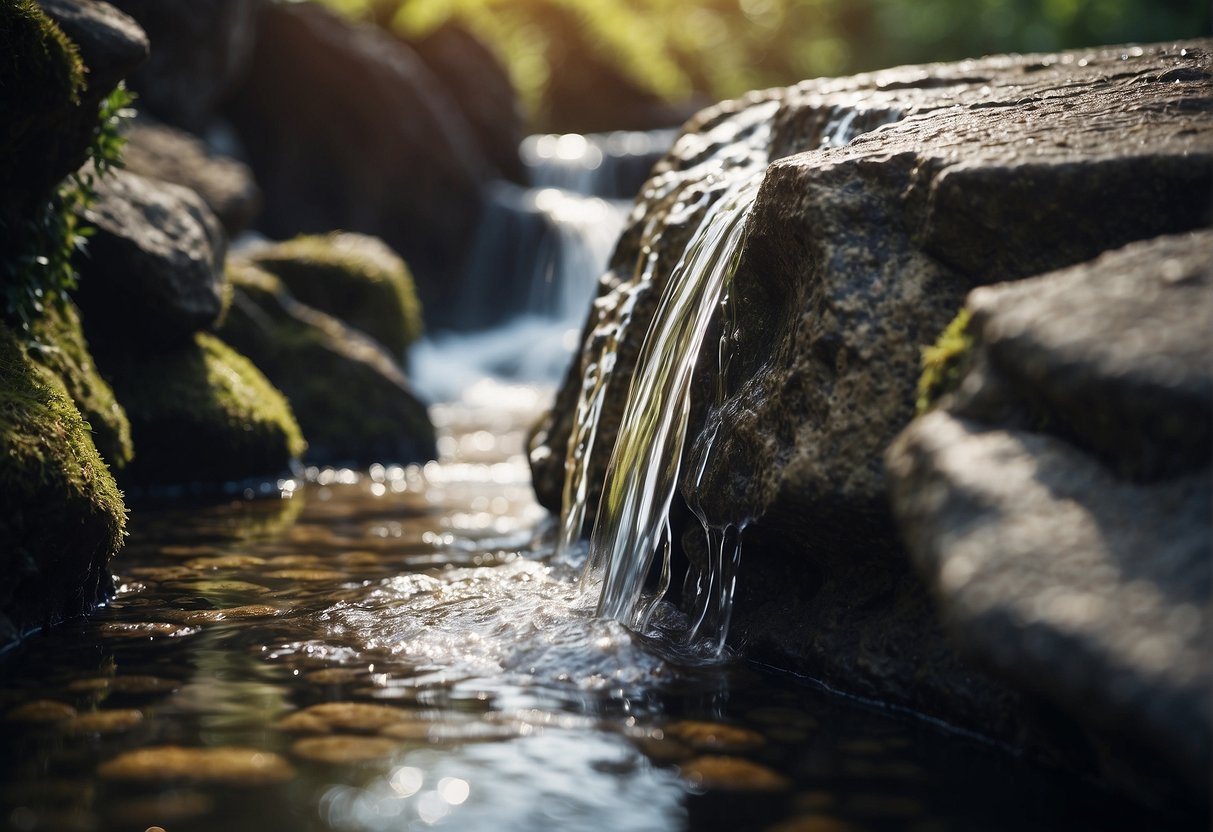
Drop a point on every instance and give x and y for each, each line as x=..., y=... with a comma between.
x=608, y=165
x=632, y=524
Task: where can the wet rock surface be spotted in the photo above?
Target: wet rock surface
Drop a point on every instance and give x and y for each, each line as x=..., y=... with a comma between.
x=158, y=151
x=865, y=239
x=156, y=257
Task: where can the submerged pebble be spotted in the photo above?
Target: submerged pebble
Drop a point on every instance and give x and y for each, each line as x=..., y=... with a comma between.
x=104, y=722
x=713, y=736
x=731, y=774
x=126, y=684
x=145, y=629
x=227, y=765
x=42, y=710
x=356, y=716
x=340, y=750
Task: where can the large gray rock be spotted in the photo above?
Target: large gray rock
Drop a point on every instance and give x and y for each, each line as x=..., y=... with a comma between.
x=161, y=152
x=346, y=127
x=1060, y=504
x=889, y=197
x=154, y=268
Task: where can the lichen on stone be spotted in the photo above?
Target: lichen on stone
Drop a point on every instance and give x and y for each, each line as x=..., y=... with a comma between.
x=945, y=361
x=202, y=413
x=57, y=344
x=354, y=278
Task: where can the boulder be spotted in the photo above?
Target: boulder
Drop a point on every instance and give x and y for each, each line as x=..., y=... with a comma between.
x=352, y=277
x=62, y=517
x=351, y=398
x=480, y=85
x=200, y=413
x=56, y=343
x=1059, y=502
x=158, y=151
x=199, y=50
x=154, y=266
x=346, y=127
x=888, y=197
x=61, y=60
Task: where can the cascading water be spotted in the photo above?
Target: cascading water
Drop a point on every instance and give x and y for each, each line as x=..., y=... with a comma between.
x=633, y=518
x=533, y=267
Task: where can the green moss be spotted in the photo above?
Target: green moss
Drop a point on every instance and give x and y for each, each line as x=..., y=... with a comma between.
x=202, y=413
x=57, y=344
x=945, y=363
x=352, y=277
x=62, y=517
x=350, y=397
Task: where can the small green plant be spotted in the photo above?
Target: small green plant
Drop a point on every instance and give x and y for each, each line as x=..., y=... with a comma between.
x=42, y=273
x=945, y=362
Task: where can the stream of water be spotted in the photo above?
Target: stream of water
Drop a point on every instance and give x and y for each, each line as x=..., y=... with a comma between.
x=406, y=648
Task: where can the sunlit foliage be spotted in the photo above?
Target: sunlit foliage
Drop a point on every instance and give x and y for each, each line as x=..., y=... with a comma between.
x=711, y=49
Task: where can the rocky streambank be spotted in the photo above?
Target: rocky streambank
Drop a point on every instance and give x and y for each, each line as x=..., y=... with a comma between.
x=1030, y=560
x=143, y=354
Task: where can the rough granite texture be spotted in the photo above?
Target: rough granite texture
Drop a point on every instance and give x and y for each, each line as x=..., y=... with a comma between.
x=861, y=249
x=154, y=268
x=1059, y=504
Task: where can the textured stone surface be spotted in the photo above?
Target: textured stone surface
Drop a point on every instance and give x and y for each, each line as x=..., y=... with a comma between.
x=111, y=43
x=199, y=49
x=1060, y=504
x=351, y=398
x=347, y=127
x=154, y=268
x=161, y=152
x=864, y=241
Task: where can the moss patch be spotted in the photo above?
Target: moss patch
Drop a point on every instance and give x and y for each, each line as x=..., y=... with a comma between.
x=351, y=398
x=62, y=517
x=945, y=363
x=355, y=278
x=57, y=344
x=202, y=413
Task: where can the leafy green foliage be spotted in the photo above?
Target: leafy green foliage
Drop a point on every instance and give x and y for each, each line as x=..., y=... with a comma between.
x=42, y=273
x=720, y=48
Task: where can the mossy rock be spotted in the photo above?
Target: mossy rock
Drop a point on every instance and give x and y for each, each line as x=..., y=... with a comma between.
x=201, y=413
x=351, y=398
x=43, y=78
x=62, y=517
x=354, y=278
x=57, y=344
x=945, y=362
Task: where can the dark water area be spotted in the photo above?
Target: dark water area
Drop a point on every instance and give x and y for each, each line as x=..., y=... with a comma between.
x=397, y=649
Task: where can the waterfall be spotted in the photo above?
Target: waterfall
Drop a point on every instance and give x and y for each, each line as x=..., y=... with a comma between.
x=534, y=264
x=632, y=523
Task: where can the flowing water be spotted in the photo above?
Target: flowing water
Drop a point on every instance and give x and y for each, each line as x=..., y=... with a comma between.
x=399, y=649
x=409, y=647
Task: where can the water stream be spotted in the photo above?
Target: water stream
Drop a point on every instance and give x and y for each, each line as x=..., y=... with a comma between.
x=406, y=648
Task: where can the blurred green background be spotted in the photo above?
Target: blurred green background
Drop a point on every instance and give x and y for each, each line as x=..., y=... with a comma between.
x=558, y=51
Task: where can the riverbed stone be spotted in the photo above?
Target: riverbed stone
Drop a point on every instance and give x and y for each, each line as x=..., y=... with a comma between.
x=889, y=196
x=352, y=400
x=154, y=269
x=62, y=517
x=158, y=151
x=200, y=413
x=412, y=177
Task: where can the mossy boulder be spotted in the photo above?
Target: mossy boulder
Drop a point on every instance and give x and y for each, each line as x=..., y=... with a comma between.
x=201, y=413
x=353, y=277
x=57, y=343
x=62, y=517
x=351, y=398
